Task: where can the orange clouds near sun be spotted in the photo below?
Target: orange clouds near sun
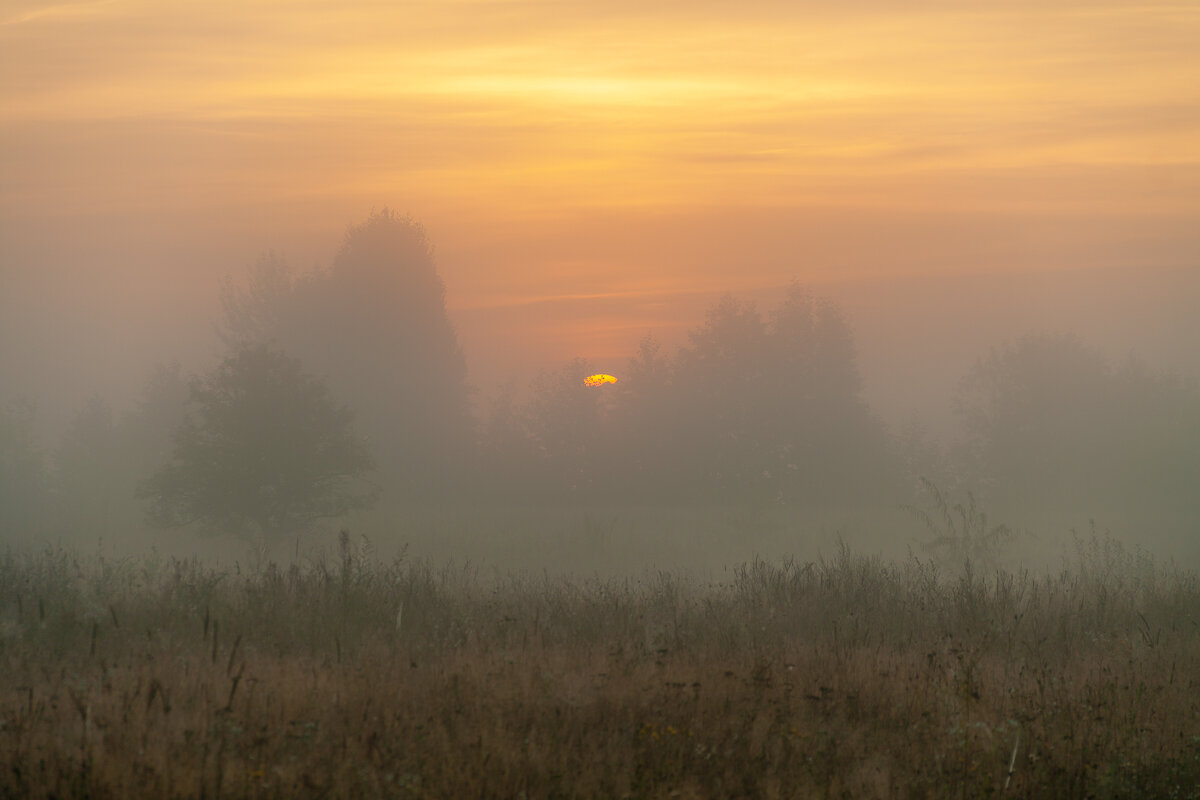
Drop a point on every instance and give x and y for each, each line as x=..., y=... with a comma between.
x=566, y=156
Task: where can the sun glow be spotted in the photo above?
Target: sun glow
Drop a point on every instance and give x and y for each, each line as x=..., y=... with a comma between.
x=562, y=152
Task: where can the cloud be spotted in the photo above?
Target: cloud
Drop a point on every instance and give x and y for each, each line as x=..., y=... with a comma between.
x=500, y=121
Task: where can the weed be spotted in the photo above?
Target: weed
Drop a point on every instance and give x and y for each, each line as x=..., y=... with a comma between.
x=961, y=532
x=846, y=676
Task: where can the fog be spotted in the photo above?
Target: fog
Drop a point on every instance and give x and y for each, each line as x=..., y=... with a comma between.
x=864, y=274
x=294, y=399
x=599, y=398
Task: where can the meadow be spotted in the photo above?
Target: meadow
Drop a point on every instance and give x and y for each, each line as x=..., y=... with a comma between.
x=353, y=675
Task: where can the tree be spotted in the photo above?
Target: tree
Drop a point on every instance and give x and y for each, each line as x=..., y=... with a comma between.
x=645, y=408
x=507, y=453
x=830, y=447
x=374, y=325
x=1052, y=424
x=566, y=423
x=771, y=408
x=719, y=377
x=753, y=410
x=264, y=451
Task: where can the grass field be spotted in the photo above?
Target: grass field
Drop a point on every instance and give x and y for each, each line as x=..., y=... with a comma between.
x=848, y=676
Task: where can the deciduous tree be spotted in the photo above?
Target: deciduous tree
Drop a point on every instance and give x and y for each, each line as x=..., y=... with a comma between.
x=373, y=325
x=264, y=451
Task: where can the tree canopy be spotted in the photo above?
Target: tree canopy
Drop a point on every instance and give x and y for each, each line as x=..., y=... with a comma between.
x=374, y=325
x=1052, y=423
x=754, y=408
x=771, y=406
x=264, y=451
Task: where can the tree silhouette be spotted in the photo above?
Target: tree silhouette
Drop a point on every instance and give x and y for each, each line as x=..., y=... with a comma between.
x=829, y=446
x=645, y=410
x=720, y=375
x=264, y=451
x=1052, y=424
x=752, y=409
x=374, y=325
x=770, y=409
x=566, y=423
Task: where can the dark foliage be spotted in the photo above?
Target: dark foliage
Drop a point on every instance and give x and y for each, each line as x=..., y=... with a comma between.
x=374, y=325
x=754, y=409
x=265, y=452
x=1052, y=423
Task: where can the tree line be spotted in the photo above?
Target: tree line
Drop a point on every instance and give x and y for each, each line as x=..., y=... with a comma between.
x=346, y=386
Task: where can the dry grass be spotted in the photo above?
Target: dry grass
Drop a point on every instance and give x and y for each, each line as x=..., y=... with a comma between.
x=849, y=677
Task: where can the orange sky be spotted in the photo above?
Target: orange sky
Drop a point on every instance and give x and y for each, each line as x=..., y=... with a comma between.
x=589, y=170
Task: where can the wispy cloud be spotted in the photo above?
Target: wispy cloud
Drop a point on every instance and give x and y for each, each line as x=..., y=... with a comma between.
x=526, y=117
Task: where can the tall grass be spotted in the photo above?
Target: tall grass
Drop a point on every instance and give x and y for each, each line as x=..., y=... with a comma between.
x=843, y=677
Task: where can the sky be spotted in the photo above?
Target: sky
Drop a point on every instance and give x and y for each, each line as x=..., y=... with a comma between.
x=588, y=171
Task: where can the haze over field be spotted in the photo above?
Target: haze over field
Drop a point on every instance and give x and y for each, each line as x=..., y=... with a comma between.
x=599, y=398
x=952, y=177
